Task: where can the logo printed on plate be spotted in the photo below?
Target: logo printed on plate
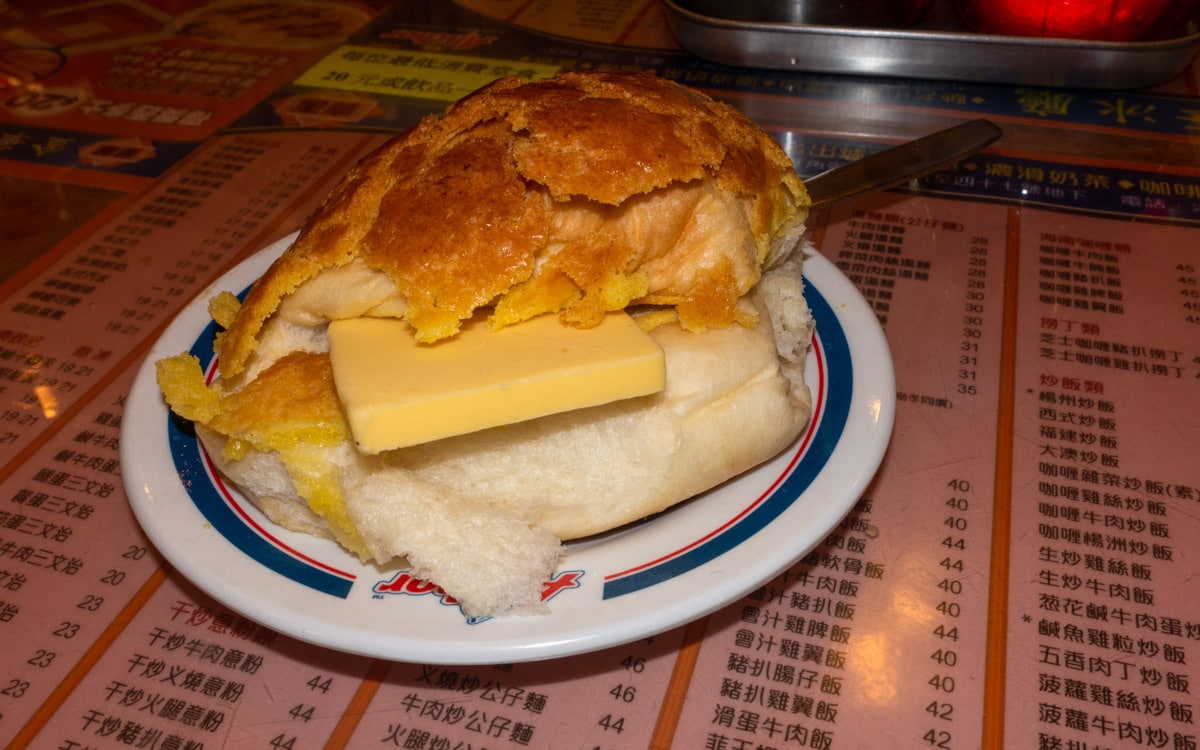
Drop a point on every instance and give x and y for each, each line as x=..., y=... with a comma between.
x=404, y=583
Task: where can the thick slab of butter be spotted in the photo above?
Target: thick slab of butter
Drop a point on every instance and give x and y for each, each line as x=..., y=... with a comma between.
x=397, y=392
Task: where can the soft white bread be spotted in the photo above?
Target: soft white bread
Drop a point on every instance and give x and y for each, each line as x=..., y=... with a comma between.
x=482, y=514
x=604, y=191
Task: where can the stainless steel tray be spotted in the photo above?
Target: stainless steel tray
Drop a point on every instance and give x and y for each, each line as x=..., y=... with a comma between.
x=939, y=47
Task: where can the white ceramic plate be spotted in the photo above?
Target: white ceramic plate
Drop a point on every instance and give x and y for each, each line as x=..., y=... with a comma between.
x=655, y=575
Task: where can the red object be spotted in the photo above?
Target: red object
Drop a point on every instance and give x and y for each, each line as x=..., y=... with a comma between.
x=1110, y=20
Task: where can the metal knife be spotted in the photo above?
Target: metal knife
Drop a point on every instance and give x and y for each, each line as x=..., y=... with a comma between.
x=902, y=163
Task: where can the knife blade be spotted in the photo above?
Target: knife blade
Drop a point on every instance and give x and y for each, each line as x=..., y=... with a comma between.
x=900, y=164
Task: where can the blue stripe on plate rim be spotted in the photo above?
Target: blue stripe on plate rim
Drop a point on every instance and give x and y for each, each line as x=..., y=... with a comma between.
x=225, y=511
x=227, y=514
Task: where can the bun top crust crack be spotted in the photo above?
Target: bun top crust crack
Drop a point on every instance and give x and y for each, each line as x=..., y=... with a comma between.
x=577, y=195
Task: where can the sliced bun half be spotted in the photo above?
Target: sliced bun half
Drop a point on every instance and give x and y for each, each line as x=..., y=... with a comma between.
x=575, y=196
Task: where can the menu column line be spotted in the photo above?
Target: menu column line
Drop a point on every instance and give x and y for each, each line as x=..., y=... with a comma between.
x=677, y=686
x=996, y=659
x=357, y=707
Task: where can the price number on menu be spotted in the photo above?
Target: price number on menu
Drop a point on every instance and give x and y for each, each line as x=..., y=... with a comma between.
x=1189, y=291
x=302, y=712
x=972, y=317
x=942, y=680
x=622, y=695
x=42, y=660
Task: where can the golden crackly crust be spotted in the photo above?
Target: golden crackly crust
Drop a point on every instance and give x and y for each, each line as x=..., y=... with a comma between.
x=293, y=402
x=493, y=204
x=291, y=409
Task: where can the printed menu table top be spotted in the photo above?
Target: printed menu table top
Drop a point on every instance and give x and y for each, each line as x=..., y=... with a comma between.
x=1017, y=573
